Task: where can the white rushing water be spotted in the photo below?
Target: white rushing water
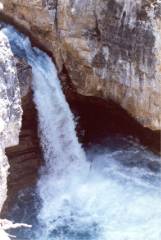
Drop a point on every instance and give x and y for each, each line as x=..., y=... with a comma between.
x=92, y=197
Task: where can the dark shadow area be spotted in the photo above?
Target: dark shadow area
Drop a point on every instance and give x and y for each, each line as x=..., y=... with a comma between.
x=98, y=119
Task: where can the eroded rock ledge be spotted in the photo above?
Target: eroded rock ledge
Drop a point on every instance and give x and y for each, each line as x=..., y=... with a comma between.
x=111, y=49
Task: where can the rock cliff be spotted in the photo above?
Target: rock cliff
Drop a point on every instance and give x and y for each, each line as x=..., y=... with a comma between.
x=20, y=154
x=24, y=158
x=110, y=48
x=10, y=110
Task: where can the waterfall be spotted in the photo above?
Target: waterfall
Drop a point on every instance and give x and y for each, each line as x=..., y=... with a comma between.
x=64, y=156
x=92, y=197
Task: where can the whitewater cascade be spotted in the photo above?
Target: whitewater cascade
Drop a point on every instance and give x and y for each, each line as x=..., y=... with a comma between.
x=62, y=152
x=91, y=197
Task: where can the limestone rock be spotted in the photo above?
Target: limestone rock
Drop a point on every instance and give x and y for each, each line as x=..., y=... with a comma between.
x=24, y=158
x=110, y=48
x=20, y=154
x=10, y=110
x=24, y=73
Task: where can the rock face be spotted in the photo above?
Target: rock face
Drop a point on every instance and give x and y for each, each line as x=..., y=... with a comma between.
x=110, y=48
x=24, y=158
x=10, y=110
x=20, y=154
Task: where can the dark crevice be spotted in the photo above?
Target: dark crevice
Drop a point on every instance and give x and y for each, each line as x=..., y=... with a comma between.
x=98, y=118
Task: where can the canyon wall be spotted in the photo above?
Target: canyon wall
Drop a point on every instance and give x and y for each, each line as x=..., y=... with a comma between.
x=109, y=48
x=10, y=110
x=24, y=158
x=20, y=155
